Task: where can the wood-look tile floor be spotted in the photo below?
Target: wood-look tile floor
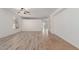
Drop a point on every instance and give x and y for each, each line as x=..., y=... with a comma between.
x=34, y=41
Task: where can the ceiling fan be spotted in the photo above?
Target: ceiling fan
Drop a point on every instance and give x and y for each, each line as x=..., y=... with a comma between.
x=24, y=11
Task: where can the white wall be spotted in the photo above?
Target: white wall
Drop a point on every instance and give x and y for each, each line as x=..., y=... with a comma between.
x=6, y=23
x=66, y=25
x=51, y=24
x=31, y=25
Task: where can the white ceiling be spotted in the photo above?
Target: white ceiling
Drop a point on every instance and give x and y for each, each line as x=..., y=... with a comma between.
x=40, y=12
x=37, y=12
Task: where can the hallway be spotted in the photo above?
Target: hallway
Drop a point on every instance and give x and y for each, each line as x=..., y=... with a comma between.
x=34, y=41
x=22, y=29
x=39, y=29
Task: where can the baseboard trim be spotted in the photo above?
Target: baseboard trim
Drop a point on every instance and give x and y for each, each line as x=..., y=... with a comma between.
x=64, y=40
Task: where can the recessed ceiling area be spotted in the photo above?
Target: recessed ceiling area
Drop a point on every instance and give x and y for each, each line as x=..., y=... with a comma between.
x=37, y=12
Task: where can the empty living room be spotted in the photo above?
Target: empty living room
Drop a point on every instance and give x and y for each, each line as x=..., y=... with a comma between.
x=39, y=29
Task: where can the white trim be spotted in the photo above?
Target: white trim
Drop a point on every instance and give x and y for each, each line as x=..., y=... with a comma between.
x=59, y=10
